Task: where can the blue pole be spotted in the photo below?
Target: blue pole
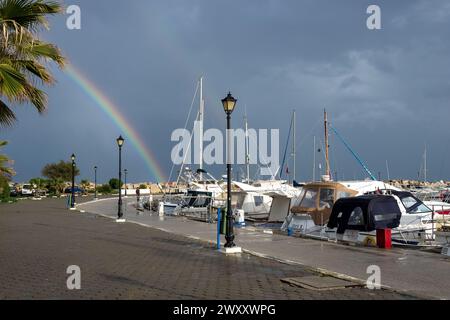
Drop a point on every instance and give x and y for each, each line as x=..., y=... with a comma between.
x=357, y=157
x=69, y=200
x=218, y=228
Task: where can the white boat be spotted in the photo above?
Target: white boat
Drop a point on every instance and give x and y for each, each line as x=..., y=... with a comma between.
x=251, y=200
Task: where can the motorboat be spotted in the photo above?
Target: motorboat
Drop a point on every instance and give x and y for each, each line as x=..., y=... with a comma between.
x=264, y=200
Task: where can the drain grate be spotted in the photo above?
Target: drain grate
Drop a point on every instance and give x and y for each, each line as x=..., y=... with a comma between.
x=321, y=283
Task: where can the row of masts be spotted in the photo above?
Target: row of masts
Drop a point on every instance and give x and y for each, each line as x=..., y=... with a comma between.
x=327, y=175
x=200, y=121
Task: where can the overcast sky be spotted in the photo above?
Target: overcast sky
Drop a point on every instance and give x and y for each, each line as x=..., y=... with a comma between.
x=387, y=91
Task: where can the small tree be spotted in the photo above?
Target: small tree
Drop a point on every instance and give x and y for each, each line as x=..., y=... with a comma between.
x=115, y=183
x=56, y=186
x=60, y=171
x=142, y=187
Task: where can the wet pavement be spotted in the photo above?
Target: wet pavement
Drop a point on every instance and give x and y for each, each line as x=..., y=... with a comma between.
x=406, y=270
x=40, y=239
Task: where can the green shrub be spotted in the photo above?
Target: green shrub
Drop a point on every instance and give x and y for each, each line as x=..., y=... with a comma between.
x=105, y=188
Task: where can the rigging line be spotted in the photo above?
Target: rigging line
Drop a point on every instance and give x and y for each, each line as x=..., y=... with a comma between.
x=355, y=155
x=308, y=135
x=334, y=158
x=322, y=152
x=264, y=159
x=187, y=120
x=331, y=159
x=187, y=152
x=257, y=174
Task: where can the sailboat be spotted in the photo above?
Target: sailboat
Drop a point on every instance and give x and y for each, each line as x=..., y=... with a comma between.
x=202, y=190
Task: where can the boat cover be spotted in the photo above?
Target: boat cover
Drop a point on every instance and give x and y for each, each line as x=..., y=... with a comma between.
x=365, y=213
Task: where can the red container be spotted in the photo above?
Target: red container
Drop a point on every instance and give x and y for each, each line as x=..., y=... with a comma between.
x=384, y=238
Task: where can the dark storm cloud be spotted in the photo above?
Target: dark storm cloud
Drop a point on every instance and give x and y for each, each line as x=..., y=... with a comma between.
x=387, y=91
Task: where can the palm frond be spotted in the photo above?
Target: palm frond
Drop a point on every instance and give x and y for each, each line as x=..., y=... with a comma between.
x=30, y=14
x=36, y=69
x=36, y=97
x=43, y=50
x=12, y=82
x=5, y=164
x=7, y=117
x=23, y=57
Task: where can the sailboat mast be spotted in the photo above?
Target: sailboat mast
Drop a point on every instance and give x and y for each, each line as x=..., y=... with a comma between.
x=247, y=157
x=387, y=170
x=425, y=164
x=314, y=161
x=327, y=159
x=294, y=153
x=200, y=119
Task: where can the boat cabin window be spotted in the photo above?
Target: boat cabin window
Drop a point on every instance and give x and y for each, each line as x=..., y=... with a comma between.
x=326, y=198
x=413, y=206
x=356, y=218
x=258, y=200
x=310, y=199
x=408, y=202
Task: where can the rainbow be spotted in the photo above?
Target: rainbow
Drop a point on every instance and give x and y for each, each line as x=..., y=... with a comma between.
x=119, y=119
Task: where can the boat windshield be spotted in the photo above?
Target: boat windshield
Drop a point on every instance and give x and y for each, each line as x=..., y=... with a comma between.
x=310, y=199
x=326, y=198
x=413, y=205
x=296, y=201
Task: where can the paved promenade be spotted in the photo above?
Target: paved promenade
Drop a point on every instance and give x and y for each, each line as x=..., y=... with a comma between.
x=40, y=239
x=411, y=271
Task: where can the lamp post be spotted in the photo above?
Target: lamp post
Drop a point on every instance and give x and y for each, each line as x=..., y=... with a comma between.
x=72, y=201
x=126, y=172
x=120, y=142
x=95, y=183
x=229, y=104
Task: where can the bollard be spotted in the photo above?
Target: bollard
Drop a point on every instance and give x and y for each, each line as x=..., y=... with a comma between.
x=69, y=201
x=384, y=238
x=290, y=232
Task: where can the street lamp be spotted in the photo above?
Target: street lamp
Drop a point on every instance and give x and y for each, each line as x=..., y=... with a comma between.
x=126, y=172
x=72, y=201
x=120, y=142
x=95, y=183
x=229, y=104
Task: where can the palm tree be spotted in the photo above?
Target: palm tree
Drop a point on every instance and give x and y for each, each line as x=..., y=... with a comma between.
x=23, y=56
x=6, y=171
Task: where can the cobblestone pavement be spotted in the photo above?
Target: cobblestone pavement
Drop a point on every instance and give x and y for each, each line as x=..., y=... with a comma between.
x=40, y=239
